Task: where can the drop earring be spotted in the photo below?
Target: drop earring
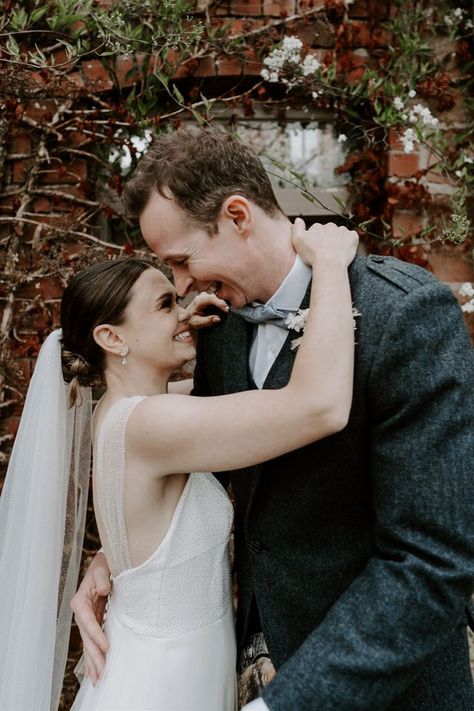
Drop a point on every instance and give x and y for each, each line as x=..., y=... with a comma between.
x=123, y=354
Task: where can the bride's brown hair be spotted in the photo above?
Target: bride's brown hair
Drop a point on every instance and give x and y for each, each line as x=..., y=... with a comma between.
x=98, y=294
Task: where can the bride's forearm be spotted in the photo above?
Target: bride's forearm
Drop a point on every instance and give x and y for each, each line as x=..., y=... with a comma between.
x=323, y=369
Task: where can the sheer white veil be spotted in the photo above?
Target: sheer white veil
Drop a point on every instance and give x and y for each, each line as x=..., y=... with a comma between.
x=42, y=519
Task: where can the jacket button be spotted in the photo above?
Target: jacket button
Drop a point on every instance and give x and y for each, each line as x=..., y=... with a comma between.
x=254, y=546
x=377, y=258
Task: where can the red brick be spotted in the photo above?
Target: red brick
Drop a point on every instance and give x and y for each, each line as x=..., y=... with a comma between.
x=357, y=64
x=406, y=224
x=246, y=7
x=394, y=140
x=253, y=66
x=94, y=73
x=20, y=170
x=50, y=288
x=403, y=164
x=41, y=111
x=128, y=69
x=77, y=80
x=305, y=5
x=359, y=9
x=10, y=425
x=41, y=204
x=72, y=173
x=241, y=25
x=279, y=8
x=229, y=66
x=450, y=263
x=20, y=143
x=206, y=67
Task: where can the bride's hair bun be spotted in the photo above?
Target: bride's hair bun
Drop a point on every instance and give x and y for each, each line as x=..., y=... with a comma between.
x=75, y=366
x=77, y=371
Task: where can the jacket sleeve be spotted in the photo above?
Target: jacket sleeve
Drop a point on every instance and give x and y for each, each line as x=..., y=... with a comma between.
x=200, y=384
x=411, y=595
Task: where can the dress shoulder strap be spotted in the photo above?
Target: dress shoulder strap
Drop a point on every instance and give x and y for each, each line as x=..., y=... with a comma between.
x=110, y=479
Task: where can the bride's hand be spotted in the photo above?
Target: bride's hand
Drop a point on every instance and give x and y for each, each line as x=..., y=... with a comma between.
x=88, y=605
x=324, y=243
x=198, y=318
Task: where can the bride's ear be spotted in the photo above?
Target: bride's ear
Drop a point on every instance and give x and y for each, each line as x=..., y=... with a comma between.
x=107, y=337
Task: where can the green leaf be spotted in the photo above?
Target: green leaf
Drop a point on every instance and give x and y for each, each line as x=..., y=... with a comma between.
x=277, y=164
x=12, y=47
x=19, y=20
x=178, y=94
x=340, y=202
x=38, y=13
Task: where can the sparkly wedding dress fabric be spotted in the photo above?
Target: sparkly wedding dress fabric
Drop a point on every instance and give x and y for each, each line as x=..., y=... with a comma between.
x=169, y=620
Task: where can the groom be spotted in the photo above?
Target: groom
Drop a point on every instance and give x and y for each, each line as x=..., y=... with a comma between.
x=355, y=555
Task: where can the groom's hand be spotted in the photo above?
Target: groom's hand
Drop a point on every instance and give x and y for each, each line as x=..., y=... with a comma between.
x=88, y=605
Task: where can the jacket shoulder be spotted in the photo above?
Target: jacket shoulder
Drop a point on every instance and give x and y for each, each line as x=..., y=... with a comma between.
x=402, y=275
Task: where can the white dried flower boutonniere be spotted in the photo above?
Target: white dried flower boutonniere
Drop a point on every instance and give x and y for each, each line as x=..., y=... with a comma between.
x=297, y=322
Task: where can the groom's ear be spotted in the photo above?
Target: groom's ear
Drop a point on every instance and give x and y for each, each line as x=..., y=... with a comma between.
x=237, y=213
x=108, y=339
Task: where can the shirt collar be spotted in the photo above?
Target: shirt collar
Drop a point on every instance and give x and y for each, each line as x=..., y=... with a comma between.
x=291, y=291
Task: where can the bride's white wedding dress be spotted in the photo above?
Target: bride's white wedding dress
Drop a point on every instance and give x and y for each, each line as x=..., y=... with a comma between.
x=169, y=621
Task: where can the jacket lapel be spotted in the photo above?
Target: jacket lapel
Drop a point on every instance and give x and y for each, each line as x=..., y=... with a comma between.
x=237, y=341
x=280, y=371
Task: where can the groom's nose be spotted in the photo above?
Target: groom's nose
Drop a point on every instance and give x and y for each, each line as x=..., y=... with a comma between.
x=183, y=281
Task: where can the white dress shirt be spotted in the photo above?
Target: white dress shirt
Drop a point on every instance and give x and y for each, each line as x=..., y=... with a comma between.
x=268, y=339
x=256, y=705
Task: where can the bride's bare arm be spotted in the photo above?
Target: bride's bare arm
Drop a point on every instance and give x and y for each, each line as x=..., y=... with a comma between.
x=180, y=434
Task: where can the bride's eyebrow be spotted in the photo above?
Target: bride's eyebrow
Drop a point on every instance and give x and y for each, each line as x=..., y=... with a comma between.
x=170, y=293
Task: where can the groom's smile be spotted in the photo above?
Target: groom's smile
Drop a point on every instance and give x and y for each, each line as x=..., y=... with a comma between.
x=200, y=261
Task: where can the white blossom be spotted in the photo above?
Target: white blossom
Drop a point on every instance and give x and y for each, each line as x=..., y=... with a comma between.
x=412, y=93
x=292, y=43
x=398, y=103
x=297, y=321
x=454, y=17
x=276, y=60
x=467, y=290
x=468, y=307
x=422, y=113
x=458, y=173
x=310, y=65
x=314, y=94
x=342, y=138
x=408, y=140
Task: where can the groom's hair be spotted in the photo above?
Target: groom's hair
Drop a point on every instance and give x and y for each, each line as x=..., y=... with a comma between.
x=199, y=168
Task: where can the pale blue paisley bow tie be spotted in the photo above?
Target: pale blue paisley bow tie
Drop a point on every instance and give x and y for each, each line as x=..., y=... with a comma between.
x=264, y=313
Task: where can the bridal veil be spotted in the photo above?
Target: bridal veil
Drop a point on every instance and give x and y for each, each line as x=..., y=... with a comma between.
x=42, y=517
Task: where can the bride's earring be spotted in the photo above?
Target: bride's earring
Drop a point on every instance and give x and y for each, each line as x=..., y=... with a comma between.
x=123, y=354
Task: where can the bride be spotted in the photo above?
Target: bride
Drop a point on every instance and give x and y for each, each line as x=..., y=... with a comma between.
x=164, y=530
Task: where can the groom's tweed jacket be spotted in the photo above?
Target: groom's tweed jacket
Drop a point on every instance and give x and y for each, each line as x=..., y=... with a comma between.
x=359, y=549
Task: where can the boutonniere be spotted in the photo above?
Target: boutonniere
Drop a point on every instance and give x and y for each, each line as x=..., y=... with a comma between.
x=297, y=322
